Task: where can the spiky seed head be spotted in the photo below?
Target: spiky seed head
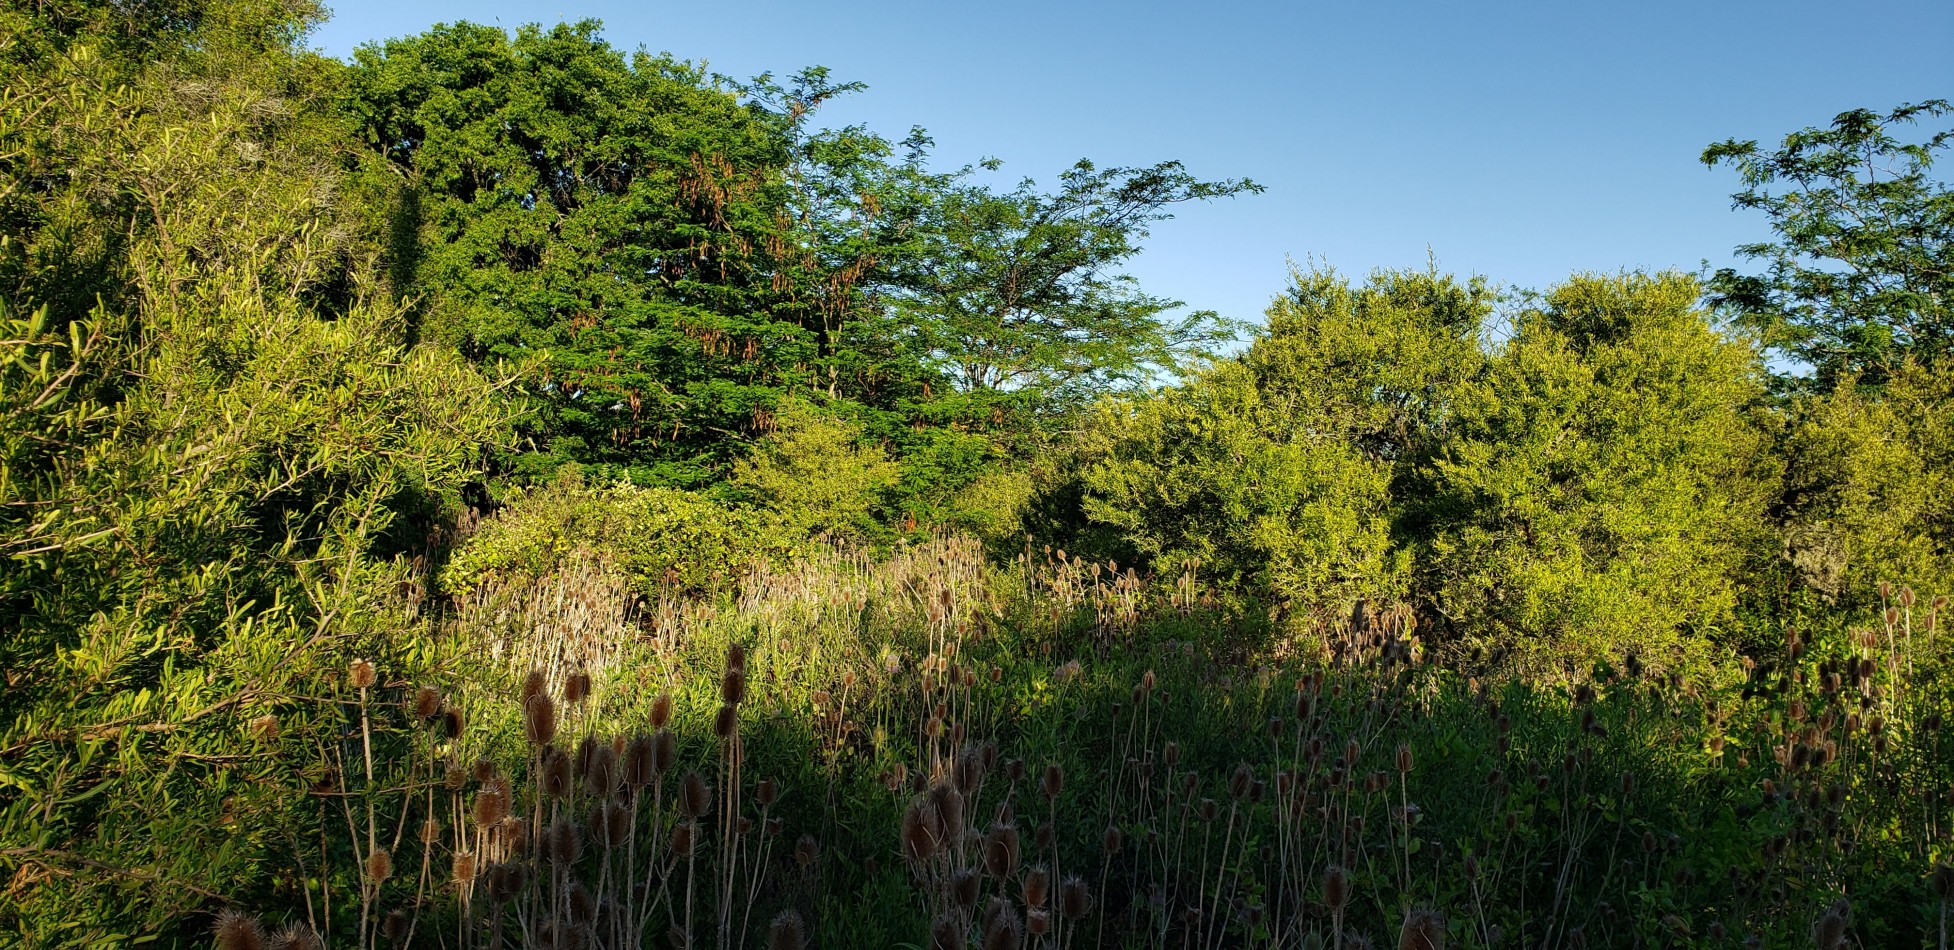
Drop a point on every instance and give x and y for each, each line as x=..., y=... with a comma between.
x=451, y=722
x=1044, y=836
x=534, y=684
x=616, y=823
x=602, y=777
x=395, y=926
x=684, y=837
x=425, y=703
x=1828, y=931
x=1336, y=888
x=379, y=866
x=1240, y=781
x=464, y=868
x=1038, y=921
x=430, y=832
x=1404, y=759
x=565, y=841
x=664, y=751
x=920, y=831
x=736, y=657
x=661, y=711
x=1002, y=929
x=637, y=762
x=1171, y=755
x=964, y=886
x=732, y=687
x=1001, y=849
x=1423, y=929
x=1111, y=841
x=949, y=805
x=237, y=930
x=767, y=792
x=557, y=775
x=361, y=674
x=539, y=719
x=947, y=933
x=807, y=852
x=695, y=796
x=1074, y=899
x=726, y=724
x=1208, y=809
x=576, y=688
x=1037, y=887
x=297, y=935
x=265, y=728
x=678, y=937
x=787, y=932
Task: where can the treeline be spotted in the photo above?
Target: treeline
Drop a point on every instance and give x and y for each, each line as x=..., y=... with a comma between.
x=280, y=331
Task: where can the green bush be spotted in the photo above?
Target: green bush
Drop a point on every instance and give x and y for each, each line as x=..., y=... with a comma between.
x=1605, y=483
x=1277, y=472
x=658, y=538
x=812, y=475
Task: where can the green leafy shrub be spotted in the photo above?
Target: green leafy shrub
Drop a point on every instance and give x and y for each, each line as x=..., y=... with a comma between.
x=1604, y=485
x=1278, y=472
x=813, y=475
x=658, y=538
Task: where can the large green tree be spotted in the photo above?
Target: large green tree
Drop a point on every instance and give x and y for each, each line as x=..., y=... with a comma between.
x=1860, y=274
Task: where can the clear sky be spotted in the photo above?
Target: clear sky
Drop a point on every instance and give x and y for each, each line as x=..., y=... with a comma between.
x=1520, y=141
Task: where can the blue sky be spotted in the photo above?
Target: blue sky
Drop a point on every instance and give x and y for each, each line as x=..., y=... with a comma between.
x=1520, y=141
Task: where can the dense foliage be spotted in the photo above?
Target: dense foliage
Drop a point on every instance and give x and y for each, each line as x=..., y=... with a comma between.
x=506, y=491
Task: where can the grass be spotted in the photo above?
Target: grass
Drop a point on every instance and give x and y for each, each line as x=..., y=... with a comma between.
x=934, y=751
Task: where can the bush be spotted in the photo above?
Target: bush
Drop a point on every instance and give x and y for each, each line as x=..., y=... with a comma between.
x=1606, y=481
x=811, y=475
x=658, y=538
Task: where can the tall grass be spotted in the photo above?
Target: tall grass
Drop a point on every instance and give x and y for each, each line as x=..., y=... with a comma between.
x=927, y=749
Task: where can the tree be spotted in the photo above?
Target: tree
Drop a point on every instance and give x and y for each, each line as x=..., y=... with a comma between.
x=1281, y=473
x=1861, y=274
x=1016, y=295
x=1603, y=486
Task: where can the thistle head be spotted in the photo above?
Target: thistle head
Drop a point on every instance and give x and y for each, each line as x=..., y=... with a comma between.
x=379, y=866
x=361, y=674
x=237, y=930
x=787, y=932
x=661, y=711
x=695, y=796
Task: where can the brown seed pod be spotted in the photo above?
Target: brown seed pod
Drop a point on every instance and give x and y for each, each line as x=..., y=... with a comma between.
x=426, y=702
x=361, y=674
x=539, y=719
x=661, y=711
x=1111, y=841
x=684, y=836
x=637, y=762
x=664, y=751
x=557, y=777
x=1404, y=759
x=297, y=935
x=1336, y=888
x=921, y=830
x=726, y=724
x=964, y=886
x=576, y=688
x=732, y=687
x=565, y=839
x=1240, y=782
x=533, y=685
x=947, y=933
x=1423, y=929
x=395, y=926
x=695, y=796
x=1001, y=849
x=807, y=852
x=1074, y=899
x=236, y=930
x=602, y=777
x=949, y=804
x=787, y=932
x=1037, y=887
x=766, y=793
x=379, y=866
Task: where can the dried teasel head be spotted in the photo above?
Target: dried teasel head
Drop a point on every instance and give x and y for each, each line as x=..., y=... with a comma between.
x=736, y=656
x=732, y=687
x=1001, y=850
x=766, y=793
x=726, y=724
x=361, y=674
x=921, y=831
x=565, y=838
x=395, y=926
x=695, y=796
x=947, y=933
x=557, y=775
x=949, y=804
x=807, y=852
x=601, y=776
x=637, y=762
x=1423, y=929
x=451, y=722
x=464, y=868
x=1074, y=899
x=1002, y=929
x=425, y=703
x=787, y=932
x=379, y=866
x=297, y=935
x=576, y=688
x=1828, y=931
x=964, y=887
x=1404, y=759
x=1336, y=888
x=661, y=711
x=684, y=837
x=430, y=831
x=236, y=930
x=539, y=719
x=1240, y=781
x=664, y=751
x=1053, y=783
x=534, y=684
x=1037, y=887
